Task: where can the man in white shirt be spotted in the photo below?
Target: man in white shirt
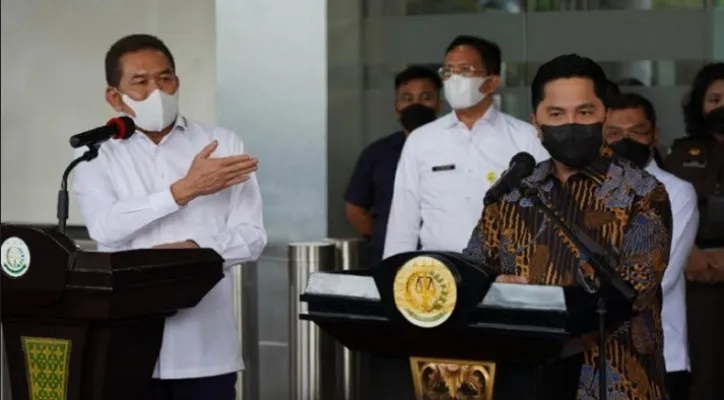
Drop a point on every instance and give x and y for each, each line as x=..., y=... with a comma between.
x=447, y=166
x=630, y=130
x=175, y=183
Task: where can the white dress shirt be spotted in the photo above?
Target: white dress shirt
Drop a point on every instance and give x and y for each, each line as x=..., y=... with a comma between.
x=685, y=216
x=443, y=174
x=126, y=201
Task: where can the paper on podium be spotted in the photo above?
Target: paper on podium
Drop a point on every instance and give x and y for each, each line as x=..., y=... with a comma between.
x=525, y=297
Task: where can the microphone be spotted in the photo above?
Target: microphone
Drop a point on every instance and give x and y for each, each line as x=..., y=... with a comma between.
x=521, y=165
x=116, y=128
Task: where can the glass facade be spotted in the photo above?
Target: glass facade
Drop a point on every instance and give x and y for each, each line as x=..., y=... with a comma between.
x=654, y=47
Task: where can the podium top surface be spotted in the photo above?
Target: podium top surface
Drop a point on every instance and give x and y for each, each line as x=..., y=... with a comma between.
x=46, y=272
x=500, y=295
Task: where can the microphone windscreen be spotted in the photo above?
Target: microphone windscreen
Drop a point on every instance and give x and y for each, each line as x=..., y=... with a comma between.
x=126, y=127
x=524, y=162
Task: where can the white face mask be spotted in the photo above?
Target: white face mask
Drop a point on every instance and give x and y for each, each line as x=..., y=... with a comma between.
x=157, y=112
x=463, y=92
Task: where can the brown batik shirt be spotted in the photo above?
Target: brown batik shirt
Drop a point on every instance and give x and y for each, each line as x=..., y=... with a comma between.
x=626, y=212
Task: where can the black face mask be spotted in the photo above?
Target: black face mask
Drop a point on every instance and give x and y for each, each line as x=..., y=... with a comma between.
x=636, y=152
x=715, y=120
x=415, y=116
x=574, y=145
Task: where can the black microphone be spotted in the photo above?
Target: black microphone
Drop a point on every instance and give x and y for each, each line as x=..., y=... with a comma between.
x=116, y=128
x=521, y=165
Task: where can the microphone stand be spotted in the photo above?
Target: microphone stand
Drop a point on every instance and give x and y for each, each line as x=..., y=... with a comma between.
x=605, y=275
x=63, y=201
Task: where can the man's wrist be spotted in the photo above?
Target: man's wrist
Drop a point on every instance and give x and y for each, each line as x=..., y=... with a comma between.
x=181, y=192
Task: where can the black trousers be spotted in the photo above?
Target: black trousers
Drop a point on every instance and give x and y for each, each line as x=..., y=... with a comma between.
x=678, y=384
x=706, y=344
x=221, y=387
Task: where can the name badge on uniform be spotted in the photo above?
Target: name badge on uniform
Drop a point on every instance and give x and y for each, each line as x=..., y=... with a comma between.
x=694, y=164
x=448, y=167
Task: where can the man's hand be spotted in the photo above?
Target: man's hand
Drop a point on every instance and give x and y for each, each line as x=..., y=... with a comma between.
x=715, y=260
x=511, y=279
x=697, y=269
x=186, y=244
x=209, y=175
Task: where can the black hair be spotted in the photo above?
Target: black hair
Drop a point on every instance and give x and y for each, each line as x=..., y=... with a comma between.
x=693, y=104
x=626, y=101
x=132, y=44
x=489, y=52
x=416, y=72
x=633, y=100
x=568, y=66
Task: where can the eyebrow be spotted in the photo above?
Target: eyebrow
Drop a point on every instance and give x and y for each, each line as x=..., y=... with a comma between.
x=617, y=126
x=143, y=75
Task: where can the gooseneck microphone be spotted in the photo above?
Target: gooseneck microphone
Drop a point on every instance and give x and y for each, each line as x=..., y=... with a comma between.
x=117, y=128
x=521, y=165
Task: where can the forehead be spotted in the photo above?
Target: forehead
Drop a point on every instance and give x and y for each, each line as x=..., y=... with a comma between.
x=569, y=92
x=627, y=117
x=716, y=87
x=416, y=86
x=463, y=54
x=146, y=61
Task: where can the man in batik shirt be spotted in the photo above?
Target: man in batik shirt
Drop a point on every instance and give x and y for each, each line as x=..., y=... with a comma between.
x=623, y=209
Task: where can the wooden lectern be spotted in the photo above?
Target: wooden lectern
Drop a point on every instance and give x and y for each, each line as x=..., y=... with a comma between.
x=455, y=333
x=88, y=325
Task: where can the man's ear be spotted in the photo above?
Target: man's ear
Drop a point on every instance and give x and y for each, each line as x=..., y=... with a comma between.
x=114, y=99
x=490, y=85
x=534, y=122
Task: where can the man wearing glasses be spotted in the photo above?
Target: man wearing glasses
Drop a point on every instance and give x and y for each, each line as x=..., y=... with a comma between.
x=448, y=165
x=630, y=130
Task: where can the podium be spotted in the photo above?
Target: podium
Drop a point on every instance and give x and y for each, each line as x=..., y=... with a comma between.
x=88, y=325
x=456, y=333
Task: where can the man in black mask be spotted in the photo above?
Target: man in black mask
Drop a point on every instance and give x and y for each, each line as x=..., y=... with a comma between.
x=369, y=193
x=624, y=212
x=630, y=130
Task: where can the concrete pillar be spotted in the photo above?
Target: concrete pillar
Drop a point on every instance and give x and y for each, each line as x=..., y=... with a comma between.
x=289, y=82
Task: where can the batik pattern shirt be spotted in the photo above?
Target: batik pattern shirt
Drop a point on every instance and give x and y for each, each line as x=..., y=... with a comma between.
x=621, y=210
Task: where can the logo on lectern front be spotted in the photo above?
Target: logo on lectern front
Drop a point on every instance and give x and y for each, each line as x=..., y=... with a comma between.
x=425, y=292
x=15, y=257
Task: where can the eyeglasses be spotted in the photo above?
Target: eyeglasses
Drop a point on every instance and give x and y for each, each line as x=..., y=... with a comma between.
x=463, y=70
x=615, y=134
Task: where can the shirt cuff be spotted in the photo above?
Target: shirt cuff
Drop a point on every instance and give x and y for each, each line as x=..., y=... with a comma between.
x=164, y=203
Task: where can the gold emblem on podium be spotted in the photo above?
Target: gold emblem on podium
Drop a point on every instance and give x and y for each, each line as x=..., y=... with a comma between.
x=425, y=292
x=452, y=379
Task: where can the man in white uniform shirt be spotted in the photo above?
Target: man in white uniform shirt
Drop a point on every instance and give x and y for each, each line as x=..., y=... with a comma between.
x=447, y=166
x=630, y=130
x=175, y=183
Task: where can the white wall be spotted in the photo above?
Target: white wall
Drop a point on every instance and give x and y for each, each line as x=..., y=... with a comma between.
x=53, y=83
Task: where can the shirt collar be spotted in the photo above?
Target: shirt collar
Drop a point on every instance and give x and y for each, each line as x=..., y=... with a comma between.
x=652, y=168
x=491, y=117
x=181, y=124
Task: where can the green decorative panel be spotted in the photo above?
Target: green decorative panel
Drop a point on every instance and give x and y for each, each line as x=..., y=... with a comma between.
x=47, y=366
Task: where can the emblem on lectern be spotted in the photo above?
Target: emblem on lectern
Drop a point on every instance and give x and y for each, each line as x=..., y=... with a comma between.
x=425, y=292
x=14, y=257
x=452, y=379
